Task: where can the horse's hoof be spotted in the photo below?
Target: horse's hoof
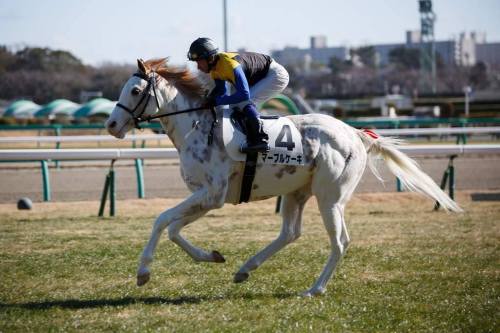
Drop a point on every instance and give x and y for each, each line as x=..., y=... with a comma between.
x=143, y=279
x=240, y=277
x=218, y=258
x=313, y=292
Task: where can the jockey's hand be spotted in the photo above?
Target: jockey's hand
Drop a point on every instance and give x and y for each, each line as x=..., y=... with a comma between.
x=210, y=102
x=214, y=93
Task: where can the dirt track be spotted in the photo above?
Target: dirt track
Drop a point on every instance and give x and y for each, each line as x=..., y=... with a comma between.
x=73, y=182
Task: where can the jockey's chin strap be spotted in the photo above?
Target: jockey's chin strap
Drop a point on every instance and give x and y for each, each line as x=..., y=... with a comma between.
x=146, y=95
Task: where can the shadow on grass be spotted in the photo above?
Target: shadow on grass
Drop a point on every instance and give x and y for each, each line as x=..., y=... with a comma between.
x=97, y=303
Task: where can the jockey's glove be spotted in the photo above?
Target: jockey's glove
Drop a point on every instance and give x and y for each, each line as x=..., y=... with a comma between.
x=210, y=102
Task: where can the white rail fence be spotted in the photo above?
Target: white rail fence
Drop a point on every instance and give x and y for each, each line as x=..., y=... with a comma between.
x=87, y=154
x=150, y=137
x=438, y=131
x=81, y=138
x=138, y=154
x=171, y=153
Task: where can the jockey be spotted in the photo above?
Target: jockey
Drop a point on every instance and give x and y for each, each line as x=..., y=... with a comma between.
x=255, y=78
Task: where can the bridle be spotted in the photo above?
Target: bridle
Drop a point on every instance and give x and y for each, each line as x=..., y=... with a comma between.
x=146, y=95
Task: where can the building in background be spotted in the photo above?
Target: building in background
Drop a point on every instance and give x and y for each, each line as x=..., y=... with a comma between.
x=488, y=53
x=318, y=42
x=317, y=53
x=466, y=50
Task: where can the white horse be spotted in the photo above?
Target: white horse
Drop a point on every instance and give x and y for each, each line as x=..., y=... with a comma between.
x=335, y=155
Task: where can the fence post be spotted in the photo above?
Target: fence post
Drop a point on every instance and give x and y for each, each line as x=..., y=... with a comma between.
x=443, y=185
x=451, y=185
x=449, y=173
x=109, y=186
x=140, y=178
x=104, y=195
x=57, y=130
x=461, y=138
x=112, y=190
x=46, y=181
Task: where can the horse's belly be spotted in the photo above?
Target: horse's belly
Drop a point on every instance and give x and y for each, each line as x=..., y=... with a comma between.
x=277, y=180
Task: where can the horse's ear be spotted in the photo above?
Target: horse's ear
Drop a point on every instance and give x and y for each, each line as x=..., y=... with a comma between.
x=142, y=66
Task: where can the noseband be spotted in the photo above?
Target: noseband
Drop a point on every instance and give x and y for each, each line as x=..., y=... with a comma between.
x=151, y=80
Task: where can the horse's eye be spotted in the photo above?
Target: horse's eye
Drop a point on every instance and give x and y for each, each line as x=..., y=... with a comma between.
x=136, y=91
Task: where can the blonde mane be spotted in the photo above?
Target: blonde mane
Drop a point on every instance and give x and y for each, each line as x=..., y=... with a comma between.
x=181, y=77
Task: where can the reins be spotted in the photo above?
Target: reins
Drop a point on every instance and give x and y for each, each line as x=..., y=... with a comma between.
x=212, y=126
x=156, y=116
x=146, y=95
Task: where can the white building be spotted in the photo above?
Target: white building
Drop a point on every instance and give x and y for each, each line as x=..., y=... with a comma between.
x=467, y=50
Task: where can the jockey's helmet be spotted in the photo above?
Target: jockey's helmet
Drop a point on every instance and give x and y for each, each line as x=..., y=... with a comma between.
x=202, y=48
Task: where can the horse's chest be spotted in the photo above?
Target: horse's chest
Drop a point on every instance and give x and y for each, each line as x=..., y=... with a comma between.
x=201, y=163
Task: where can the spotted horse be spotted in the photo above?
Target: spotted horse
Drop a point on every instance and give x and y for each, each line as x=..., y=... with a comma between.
x=334, y=158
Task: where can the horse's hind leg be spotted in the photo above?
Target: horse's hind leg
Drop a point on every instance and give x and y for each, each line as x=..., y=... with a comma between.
x=292, y=208
x=332, y=197
x=333, y=219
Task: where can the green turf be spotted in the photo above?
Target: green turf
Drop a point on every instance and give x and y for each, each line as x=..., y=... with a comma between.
x=408, y=269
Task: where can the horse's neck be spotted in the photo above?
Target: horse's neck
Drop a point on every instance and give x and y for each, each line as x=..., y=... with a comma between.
x=179, y=127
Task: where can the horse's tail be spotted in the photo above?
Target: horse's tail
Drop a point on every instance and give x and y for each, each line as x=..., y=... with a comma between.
x=403, y=167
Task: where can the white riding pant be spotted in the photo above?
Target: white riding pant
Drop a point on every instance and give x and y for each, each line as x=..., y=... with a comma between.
x=271, y=85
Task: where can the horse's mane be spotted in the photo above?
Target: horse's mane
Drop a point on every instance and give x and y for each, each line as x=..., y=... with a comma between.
x=181, y=77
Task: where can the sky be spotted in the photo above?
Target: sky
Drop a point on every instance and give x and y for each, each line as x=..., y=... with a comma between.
x=120, y=31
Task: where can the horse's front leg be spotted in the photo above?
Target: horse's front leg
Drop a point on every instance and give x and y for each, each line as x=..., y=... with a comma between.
x=194, y=207
x=293, y=206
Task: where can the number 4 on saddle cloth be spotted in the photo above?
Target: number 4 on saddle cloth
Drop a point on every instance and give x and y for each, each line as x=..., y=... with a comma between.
x=285, y=141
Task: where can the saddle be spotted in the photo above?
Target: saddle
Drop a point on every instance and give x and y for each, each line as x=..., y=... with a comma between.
x=285, y=144
x=285, y=141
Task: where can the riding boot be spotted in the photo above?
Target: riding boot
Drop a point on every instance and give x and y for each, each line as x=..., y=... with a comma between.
x=256, y=137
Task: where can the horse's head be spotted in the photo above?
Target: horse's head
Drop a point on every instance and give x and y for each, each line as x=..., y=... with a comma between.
x=153, y=87
x=140, y=98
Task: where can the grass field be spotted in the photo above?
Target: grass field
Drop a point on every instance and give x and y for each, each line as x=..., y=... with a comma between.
x=408, y=269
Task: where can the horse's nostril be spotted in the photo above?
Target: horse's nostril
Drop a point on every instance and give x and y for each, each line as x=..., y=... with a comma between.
x=112, y=124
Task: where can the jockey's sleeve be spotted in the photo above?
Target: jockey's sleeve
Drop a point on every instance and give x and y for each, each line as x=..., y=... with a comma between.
x=220, y=88
x=242, y=89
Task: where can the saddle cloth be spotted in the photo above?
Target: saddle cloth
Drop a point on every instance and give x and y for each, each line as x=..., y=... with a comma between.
x=285, y=141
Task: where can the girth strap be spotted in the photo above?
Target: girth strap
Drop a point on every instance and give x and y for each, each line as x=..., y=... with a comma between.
x=248, y=177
